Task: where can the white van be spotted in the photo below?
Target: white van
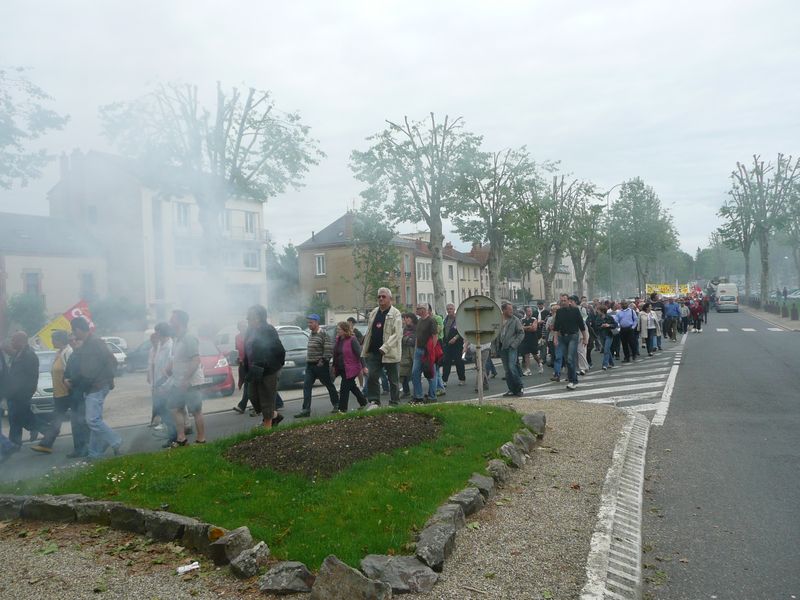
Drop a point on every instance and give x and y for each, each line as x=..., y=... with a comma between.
x=727, y=297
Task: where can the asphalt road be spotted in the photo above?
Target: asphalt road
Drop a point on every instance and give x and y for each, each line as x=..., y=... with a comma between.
x=722, y=489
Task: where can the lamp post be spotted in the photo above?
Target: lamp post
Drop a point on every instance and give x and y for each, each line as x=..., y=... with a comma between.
x=610, y=262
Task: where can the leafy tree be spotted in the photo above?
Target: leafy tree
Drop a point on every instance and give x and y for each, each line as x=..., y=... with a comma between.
x=113, y=314
x=283, y=277
x=490, y=189
x=376, y=259
x=586, y=239
x=26, y=311
x=641, y=228
x=768, y=190
x=791, y=227
x=411, y=168
x=23, y=119
x=738, y=230
x=240, y=147
x=314, y=305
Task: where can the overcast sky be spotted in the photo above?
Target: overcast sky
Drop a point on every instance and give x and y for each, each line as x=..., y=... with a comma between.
x=674, y=92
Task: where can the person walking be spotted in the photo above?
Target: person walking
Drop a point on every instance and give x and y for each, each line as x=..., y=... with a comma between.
x=649, y=327
x=453, y=346
x=427, y=330
x=95, y=378
x=383, y=348
x=348, y=364
x=570, y=330
x=511, y=336
x=626, y=317
x=529, y=348
x=21, y=382
x=242, y=328
x=604, y=325
x=696, y=310
x=685, y=313
x=318, y=357
x=264, y=356
x=159, y=377
x=407, y=356
x=186, y=381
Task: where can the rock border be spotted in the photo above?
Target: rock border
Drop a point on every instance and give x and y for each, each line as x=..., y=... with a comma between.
x=379, y=575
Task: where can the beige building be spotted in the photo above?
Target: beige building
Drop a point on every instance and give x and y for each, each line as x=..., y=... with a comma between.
x=50, y=258
x=154, y=243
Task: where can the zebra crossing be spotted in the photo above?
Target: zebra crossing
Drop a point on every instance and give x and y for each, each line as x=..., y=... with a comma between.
x=746, y=329
x=641, y=386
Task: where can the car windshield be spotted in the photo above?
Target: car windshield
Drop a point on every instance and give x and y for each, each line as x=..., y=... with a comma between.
x=727, y=298
x=294, y=341
x=207, y=348
x=113, y=347
x=45, y=361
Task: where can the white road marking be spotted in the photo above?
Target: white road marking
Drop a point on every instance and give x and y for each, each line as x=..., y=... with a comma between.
x=627, y=398
x=600, y=382
x=747, y=329
x=666, y=396
x=578, y=393
x=644, y=407
x=775, y=329
x=722, y=329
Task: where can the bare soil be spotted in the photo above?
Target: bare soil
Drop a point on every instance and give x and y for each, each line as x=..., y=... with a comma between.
x=324, y=449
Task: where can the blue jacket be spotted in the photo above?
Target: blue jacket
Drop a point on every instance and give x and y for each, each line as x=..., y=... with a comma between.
x=627, y=318
x=672, y=310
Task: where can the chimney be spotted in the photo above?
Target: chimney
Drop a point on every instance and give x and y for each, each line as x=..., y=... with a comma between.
x=448, y=246
x=312, y=236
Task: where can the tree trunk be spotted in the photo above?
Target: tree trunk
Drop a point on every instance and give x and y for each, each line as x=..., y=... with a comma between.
x=580, y=273
x=763, y=247
x=435, y=246
x=591, y=276
x=796, y=256
x=638, y=275
x=747, y=282
x=495, y=266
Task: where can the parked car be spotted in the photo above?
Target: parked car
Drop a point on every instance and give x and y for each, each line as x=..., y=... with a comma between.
x=296, y=345
x=42, y=401
x=216, y=369
x=119, y=341
x=137, y=359
x=119, y=355
x=288, y=328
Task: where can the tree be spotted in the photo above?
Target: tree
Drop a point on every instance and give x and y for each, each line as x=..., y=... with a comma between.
x=738, y=231
x=23, y=120
x=26, y=311
x=490, y=188
x=376, y=259
x=791, y=227
x=768, y=190
x=641, y=228
x=283, y=278
x=241, y=147
x=586, y=236
x=411, y=169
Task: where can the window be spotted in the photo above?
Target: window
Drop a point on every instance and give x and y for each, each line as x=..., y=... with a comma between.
x=450, y=272
x=250, y=222
x=475, y=273
x=409, y=298
x=320, y=262
x=420, y=272
x=87, y=286
x=421, y=299
x=251, y=260
x=32, y=284
x=427, y=271
x=322, y=295
x=406, y=263
x=181, y=214
x=452, y=296
x=430, y=299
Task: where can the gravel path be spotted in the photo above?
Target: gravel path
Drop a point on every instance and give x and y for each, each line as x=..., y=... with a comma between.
x=530, y=542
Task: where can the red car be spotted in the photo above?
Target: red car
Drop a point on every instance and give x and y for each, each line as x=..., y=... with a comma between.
x=217, y=370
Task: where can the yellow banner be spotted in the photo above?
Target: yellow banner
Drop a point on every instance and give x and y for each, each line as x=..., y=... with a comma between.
x=44, y=336
x=666, y=288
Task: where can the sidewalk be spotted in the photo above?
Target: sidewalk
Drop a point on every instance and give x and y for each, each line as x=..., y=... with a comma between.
x=776, y=320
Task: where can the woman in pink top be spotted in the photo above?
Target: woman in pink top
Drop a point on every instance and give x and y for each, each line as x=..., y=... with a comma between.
x=348, y=364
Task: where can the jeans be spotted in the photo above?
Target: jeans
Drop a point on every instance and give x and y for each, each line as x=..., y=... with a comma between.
x=101, y=436
x=511, y=368
x=489, y=367
x=162, y=410
x=378, y=370
x=669, y=327
x=651, y=341
x=321, y=372
x=558, y=359
x=608, y=357
x=570, y=342
x=416, y=377
x=73, y=403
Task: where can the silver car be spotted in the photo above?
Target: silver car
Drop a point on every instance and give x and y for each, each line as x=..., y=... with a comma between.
x=42, y=401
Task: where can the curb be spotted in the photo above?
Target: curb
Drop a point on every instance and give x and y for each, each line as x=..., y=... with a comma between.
x=613, y=569
x=753, y=313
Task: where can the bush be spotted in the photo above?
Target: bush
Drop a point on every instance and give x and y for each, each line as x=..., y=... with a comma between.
x=26, y=312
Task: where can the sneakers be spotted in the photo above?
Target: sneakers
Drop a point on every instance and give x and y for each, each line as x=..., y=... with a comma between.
x=238, y=410
x=373, y=406
x=541, y=369
x=527, y=373
x=460, y=382
x=42, y=449
x=572, y=386
x=440, y=393
x=303, y=414
x=605, y=368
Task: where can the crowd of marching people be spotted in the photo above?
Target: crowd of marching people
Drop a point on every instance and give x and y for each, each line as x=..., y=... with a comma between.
x=409, y=355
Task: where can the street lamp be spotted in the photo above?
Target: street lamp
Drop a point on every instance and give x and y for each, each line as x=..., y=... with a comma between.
x=610, y=262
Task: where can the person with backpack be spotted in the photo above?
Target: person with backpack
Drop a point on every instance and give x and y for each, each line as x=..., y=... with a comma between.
x=349, y=364
x=264, y=356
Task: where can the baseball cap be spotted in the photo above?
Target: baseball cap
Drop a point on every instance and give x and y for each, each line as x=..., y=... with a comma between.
x=313, y=317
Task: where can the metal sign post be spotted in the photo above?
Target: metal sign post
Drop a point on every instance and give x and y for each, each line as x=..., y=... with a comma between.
x=478, y=320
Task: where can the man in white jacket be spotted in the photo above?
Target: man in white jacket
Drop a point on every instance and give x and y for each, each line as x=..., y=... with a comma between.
x=382, y=348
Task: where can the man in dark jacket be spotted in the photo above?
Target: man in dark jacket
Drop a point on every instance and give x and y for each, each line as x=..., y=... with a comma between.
x=21, y=381
x=264, y=356
x=453, y=346
x=95, y=377
x=6, y=447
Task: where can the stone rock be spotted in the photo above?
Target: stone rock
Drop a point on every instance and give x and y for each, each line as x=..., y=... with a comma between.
x=435, y=544
x=166, y=526
x=51, y=508
x=11, y=506
x=200, y=536
x=525, y=440
x=287, y=577
x=470, y=499
x=249, y=562
x=95, y=511
x=128, y=518
x=536, y=422
x=448, y=513
x=498, y=470
x=338, y=581
x=405, y=574
x=485, y=484
x=511, y=452
x=231, y=545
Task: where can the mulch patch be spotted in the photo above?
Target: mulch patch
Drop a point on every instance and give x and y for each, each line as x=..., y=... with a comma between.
x=324, y=449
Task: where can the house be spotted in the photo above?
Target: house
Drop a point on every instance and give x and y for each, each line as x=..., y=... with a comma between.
x=51, y=258
x=154, y=242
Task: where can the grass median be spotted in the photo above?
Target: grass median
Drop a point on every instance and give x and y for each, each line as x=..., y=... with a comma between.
x=372, y=506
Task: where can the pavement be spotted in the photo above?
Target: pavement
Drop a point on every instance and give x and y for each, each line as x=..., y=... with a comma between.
x=773, y=319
